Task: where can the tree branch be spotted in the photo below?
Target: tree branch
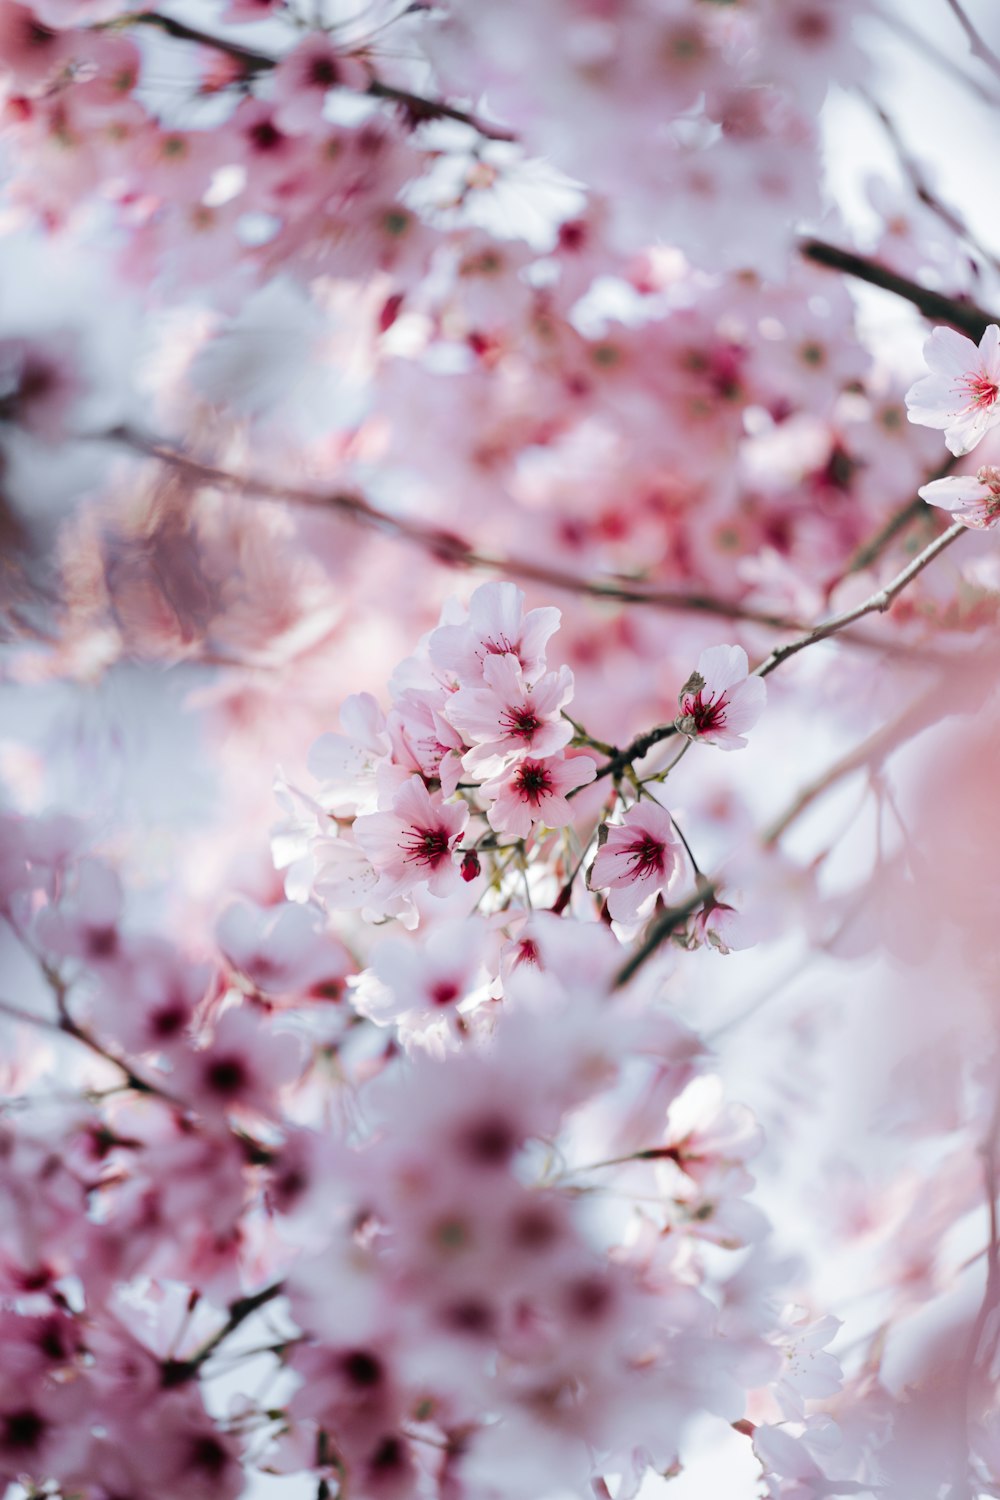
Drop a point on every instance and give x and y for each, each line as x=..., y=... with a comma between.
x=977, y=46
x=960, y=312
x=664, y=925
x=878, y=602
x=936, y=57
x=417, y=108
x=178, y=1371
x=922, y=190
x=871, y=753
x=444, y=546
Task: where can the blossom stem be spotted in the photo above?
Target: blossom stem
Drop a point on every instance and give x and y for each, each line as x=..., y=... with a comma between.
x=666, y=924
x=878, y=602
x=679, y=832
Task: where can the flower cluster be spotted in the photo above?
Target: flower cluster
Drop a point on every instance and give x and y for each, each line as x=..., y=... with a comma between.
x=476, y=732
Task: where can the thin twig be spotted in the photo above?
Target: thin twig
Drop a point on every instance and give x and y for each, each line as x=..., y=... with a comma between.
x=879, y=602
x=666, y=924
x=934, y=55
x=977, y=46
x=869, y=552
x=872, y=752
x=878, y=746
x=918, y=181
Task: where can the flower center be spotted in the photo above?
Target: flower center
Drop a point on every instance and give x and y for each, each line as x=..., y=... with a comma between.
x=646, y=856
x=323, y=73
x=520, y=723
x=425, y=846
x=265, y=137
x=533, y=781
x=706, y=717
x=982, y=391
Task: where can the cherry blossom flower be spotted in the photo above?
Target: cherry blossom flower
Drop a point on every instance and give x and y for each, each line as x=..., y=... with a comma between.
x=496, y=625
x=303, y=79
x=283, y=950
x=420, y=983
x=414, y=843
x=509, y=717
x=807, y=1372
x=719, y=700
x=973, y=499
x=534, y=791
x=962, y=392
x=243, y=1066
x=345, y=763
x=639, y=860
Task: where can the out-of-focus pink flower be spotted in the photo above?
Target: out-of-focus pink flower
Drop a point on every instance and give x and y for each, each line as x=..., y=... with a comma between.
x=961, y=392
x=303, y=79
x=638, y=860
x=973, y=499
x=242, y=1068
x=719, y=701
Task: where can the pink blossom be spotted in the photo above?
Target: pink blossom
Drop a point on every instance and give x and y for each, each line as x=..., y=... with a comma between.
x=719, y=700
x=807, y=1371
x=29, y=50
x=242, y=1068
x=283, y=950
x=508, y=716
x=496, y=625
x=962, y=392
x=639, y=860
x=420, y=983
x=422, y=738
x=973, y=499
x=346, y=763
x=414, y=843
x=305, y=76
x=534, y=791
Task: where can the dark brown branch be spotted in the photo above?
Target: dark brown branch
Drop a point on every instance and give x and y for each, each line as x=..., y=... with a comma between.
x=416, y=108
x=176, y=1372
x=663, y=927
x=960, y=312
